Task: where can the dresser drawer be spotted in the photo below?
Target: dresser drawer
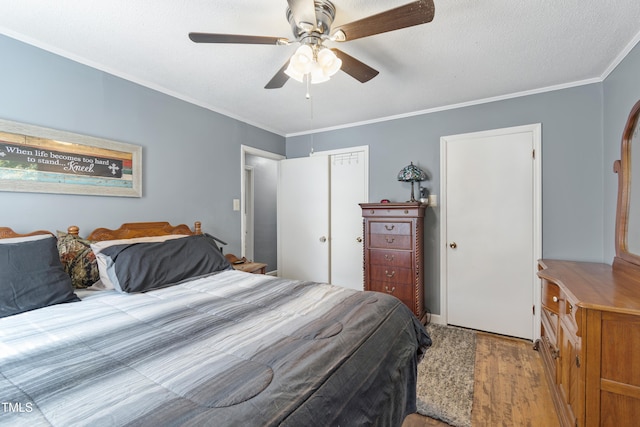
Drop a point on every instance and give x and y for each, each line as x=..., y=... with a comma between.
x=551, y=296
x=550, y=323
x=390, y=241
x=382, y=273
x=413, y=211
x=403, y=291
x=570, y=314
x=390, y=228
x=390, y=258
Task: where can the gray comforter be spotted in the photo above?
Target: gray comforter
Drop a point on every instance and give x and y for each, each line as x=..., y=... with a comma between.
x=230, y=349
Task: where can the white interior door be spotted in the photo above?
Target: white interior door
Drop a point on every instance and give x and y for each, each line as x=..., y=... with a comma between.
x=348, y=189
x=489, y=229
x=303, y=219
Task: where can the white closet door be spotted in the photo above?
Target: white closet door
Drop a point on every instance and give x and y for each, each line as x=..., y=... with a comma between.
x=348, y=189
x=303, y=218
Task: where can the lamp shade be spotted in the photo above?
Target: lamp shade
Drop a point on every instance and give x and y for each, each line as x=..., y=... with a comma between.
x=411, y=173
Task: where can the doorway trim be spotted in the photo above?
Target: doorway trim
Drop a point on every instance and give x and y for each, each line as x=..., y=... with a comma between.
x=536, y=130
x=244, y=151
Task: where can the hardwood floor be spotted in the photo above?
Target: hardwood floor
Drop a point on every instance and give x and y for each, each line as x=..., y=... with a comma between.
x=510, y=388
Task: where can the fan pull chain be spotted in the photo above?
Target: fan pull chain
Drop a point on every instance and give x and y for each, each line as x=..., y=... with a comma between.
x=307, y=78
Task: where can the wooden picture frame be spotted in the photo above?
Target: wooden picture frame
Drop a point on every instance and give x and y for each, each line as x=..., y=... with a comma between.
x=43, y=160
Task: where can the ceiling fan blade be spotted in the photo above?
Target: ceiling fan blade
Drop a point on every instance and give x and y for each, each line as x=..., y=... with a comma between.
x=279, y=79
x=416, y=13
x=355, y=68
x=304, y=13
x=235, y=38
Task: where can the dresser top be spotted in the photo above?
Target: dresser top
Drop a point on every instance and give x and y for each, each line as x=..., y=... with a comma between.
x=596, y=285
x=393, y=209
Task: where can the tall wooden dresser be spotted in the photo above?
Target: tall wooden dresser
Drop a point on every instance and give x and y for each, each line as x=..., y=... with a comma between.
x=393, y=252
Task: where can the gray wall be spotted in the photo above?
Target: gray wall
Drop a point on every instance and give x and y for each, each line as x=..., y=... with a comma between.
x=191, y=155
x=572, y=176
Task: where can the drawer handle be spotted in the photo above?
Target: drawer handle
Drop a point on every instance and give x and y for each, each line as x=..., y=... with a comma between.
x=390, y=241
x=570, y=308
x=555, y=354
x=389, y=291
x=393, y=273
x=555, y=299
x=389, y=228
x=389, y=257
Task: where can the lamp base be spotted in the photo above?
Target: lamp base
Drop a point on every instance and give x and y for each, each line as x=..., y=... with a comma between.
x=413, y=199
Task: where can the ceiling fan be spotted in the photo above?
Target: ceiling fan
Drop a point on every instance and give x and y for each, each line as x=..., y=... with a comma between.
x=311, y=22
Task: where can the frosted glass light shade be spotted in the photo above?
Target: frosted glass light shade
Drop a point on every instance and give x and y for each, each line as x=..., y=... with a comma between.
x=319, y=69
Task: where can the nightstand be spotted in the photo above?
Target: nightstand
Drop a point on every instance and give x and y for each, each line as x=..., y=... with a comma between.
x=243, y=265
x=251, y=267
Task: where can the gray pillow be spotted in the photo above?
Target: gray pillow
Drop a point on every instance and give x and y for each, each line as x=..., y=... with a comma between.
x=31, y=277
x=139, y=267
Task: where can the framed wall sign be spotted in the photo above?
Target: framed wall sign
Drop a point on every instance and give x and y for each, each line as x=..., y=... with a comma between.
x=37, y=159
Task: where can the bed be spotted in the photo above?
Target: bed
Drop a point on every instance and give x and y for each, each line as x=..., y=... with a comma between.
x=149, y=324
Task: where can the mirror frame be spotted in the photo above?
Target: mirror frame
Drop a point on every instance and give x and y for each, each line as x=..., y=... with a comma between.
x=623, y=168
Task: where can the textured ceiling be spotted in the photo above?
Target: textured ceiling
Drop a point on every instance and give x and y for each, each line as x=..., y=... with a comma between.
x=473, y=50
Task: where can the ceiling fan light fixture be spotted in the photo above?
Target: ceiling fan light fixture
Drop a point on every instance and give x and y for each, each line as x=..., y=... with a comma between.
x=300, y=63
x=318, y=74
x=329, y=62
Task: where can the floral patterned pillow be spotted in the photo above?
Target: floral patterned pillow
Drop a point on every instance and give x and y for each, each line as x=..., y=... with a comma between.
x=78, y=260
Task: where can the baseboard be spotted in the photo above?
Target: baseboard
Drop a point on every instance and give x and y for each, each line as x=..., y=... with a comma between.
x=437, y=319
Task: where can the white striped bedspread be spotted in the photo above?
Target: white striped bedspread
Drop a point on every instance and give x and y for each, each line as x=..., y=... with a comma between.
x=232, y=349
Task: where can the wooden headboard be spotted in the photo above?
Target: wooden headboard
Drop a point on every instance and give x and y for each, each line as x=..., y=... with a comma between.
x=139, y=229
x=6, y=232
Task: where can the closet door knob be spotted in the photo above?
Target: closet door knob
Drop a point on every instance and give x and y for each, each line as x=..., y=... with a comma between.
x=323, y=239
x=453, y=245
x=359, y=239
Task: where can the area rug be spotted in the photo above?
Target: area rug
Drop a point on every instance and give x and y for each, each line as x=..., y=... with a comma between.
x=446, y=375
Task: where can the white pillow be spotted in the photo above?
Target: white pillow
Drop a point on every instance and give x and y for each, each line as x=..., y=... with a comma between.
x=25, y=238
x=103, y=261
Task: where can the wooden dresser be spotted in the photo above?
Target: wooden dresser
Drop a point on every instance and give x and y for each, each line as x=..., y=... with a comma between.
x=393, y=251
x=590, y=341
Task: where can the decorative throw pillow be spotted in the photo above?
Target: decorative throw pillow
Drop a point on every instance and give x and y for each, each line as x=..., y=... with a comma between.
x=31, y=277
x=78, y=260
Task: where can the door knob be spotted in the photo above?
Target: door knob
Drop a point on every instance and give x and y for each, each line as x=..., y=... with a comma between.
x=323, y=239
x=453, y=245
x=359, y=239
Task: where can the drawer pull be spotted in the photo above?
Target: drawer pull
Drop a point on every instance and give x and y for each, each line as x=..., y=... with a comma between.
x=390, y=241
x=555, y=353
x=577, y=361
x=389, y=228
x=570, y=308
x=389, y=257
x=393, y=273
x=389, y=291
x=555, y=299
